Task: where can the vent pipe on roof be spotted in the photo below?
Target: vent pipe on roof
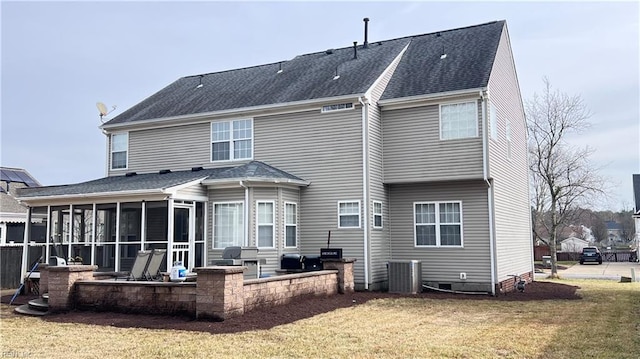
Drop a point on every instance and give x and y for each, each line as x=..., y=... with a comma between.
x=366, y=32
x=355, y=49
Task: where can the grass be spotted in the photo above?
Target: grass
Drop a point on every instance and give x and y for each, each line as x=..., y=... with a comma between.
x=604, y=324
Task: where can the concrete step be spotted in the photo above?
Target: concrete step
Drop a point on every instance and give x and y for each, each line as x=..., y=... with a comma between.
x=39, y=304
x=26, y=310
x=45, y=296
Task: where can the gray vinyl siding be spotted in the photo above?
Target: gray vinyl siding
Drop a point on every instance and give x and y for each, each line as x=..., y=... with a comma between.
x=441, y=264
x=510, y=177
x=215, y=196
x=379, y=245
x=414, y=152
x=175, y=148
x=197, y=190
x=325, y=149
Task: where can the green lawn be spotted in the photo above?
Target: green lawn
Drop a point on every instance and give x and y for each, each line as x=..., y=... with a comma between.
x=604, y=324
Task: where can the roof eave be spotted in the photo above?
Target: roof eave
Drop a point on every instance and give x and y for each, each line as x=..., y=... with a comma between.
x=420, y=100
x=248, y=111
x=27, y=200
x=255, y=180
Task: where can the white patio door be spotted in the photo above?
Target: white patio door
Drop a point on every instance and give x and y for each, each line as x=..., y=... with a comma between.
x=184, y=229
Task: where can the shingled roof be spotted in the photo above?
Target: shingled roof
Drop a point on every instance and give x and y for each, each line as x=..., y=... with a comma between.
x=254, y=170
x=470, y=54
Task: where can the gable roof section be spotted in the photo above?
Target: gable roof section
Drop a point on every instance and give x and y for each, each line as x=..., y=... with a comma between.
x=470, y=55
x=305, y=77
x=161, y=181
x=470, y=52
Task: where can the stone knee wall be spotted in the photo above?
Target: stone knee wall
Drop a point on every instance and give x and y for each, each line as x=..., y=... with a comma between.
x=137, y=297
x=279, y=290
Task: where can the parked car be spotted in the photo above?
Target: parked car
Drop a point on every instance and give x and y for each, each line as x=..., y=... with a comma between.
x=590, y=254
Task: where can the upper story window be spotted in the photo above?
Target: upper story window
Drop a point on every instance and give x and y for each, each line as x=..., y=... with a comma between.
x=119, y=150
x=377, y=214
x=349, y=214
x=438, y=224
x=232, y=140
x=458, y=120
x=493, y=118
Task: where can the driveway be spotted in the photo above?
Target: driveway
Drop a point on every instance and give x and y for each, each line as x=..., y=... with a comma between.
x=606, y=270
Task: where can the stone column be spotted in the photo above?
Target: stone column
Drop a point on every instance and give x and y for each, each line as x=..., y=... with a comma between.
x=61, y=284
x=219, y=292
x=345, y=272
x=44, y=278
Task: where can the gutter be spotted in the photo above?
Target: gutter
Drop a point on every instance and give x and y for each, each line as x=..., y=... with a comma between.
x=365, y=188
x=485, y=172
x=411, y=100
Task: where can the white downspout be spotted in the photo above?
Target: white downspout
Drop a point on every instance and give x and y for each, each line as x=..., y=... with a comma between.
x=246, y=213
x=485, y=173
x=365, y=189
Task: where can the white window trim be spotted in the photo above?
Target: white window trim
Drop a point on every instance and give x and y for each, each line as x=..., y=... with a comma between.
x=285, y=224
x=373, y=211
x=359, y=215
x=437, y=224
x=273, y=224
x=475, y=102
x=111, y=152
x=213, y=222
x=231, y=140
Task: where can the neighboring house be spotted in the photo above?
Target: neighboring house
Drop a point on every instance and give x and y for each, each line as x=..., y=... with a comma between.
x=13, y=215
x=614, y=233
x=410, y=148
x=573, y=244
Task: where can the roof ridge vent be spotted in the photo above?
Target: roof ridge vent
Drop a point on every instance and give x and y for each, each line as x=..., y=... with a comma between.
x=164, y=172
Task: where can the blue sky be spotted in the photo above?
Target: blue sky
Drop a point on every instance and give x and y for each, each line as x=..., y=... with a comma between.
x=60, y=58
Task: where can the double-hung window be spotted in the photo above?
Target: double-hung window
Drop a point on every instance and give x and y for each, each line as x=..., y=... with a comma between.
x=349, y=214
x=458, y=120
x=290, y=224
x=232, y=140
x=377, y=214
x=119, y=150
x=228, y=224
x=265, y=221
x=438, y=224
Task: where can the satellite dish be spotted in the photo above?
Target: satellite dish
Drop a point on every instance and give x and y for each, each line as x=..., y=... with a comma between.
x=102, y=108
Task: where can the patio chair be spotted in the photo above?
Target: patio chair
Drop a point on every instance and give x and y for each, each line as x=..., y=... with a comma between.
x=153, y=269
x=139, y=268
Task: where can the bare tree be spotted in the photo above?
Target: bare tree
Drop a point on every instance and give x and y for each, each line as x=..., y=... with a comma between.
x=563, y=179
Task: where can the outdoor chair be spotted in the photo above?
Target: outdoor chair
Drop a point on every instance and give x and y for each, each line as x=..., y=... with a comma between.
x=153, y=268
x=139, y=268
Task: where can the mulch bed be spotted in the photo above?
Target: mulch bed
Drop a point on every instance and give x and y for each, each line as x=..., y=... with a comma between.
x=300, y=309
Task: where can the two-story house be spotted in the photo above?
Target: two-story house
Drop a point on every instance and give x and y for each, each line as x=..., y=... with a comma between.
x=410, y=148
